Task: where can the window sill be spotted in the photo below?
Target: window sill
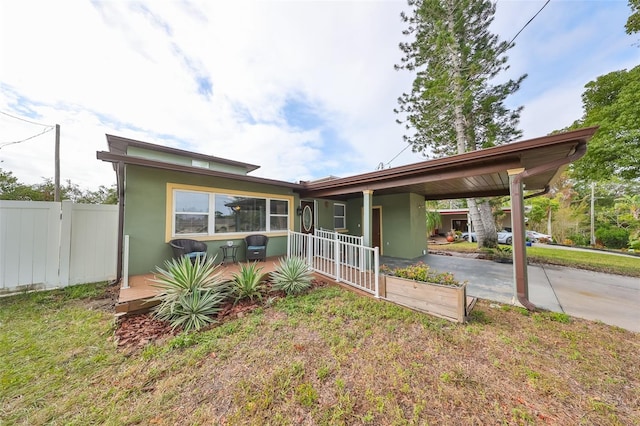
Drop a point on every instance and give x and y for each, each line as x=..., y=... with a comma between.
x=228, y=237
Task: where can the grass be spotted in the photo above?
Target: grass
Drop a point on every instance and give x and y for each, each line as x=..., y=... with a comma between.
x=328, y=357
x=589, y=260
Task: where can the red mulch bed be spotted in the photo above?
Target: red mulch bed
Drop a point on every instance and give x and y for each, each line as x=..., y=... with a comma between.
x=137, y=330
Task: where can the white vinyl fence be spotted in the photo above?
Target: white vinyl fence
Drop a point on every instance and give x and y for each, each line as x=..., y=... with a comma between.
x=341, y=257
x=47, y=244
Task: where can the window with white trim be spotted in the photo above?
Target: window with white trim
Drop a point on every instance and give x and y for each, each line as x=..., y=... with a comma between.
x=191, y=212
x=208, y=213
x=339, y=216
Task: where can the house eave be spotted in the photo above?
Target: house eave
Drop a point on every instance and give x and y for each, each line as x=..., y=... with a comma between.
x=119, y=144
x=138, y=161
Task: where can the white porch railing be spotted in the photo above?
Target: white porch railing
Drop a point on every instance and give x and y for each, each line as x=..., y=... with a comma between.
x=341, y=257
x=346, y=238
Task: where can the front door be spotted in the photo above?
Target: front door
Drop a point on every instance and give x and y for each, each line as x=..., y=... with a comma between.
x=376, y=225
x=307, y=221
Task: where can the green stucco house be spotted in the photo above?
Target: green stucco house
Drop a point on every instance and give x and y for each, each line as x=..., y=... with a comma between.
x=167, y=193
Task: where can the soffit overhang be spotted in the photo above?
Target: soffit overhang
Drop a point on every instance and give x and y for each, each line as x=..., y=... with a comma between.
x=480, y=173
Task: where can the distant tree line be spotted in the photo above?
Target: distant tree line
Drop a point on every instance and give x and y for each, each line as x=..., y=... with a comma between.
x=12, y=189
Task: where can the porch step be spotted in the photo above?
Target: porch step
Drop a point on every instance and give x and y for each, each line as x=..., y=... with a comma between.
x=135, y=306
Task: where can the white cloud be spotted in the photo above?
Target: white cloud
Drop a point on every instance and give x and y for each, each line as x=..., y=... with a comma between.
x=143, y=69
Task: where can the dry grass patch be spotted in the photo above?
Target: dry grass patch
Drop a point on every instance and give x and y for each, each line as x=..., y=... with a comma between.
x=328, y=357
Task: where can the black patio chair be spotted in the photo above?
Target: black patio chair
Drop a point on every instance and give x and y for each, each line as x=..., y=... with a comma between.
x=256, y=246
x=190, y=248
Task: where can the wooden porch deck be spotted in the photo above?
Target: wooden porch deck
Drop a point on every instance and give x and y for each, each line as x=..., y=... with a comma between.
x=136, y=296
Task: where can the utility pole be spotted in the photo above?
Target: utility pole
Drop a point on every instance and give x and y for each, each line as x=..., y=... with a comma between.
x=56, y=194
x=593, y=235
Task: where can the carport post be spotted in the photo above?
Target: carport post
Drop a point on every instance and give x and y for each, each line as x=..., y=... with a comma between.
x=367, y=212
x=519, y=248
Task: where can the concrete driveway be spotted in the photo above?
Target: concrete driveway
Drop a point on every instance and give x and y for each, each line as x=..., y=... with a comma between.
x=612, y=299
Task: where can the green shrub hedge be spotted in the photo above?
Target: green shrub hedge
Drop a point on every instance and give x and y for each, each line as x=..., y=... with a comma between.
x=615, y=238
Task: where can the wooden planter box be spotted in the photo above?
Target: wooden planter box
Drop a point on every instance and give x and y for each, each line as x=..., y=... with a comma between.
x=443, y=301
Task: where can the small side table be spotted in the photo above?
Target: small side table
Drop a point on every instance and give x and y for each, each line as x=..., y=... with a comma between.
x=229, y=252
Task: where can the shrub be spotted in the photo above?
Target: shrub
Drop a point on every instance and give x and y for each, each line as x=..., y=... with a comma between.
x=421, y=272
x=191, y=293
x=248, y=283
x=499, y=253
x=614, y=238
x=503, y=251
x=579, y=239
x=292, y=276
x=634, y=245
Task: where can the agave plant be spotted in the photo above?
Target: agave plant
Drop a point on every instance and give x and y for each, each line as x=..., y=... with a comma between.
x=194, y=310
x=247, y=282
x=191, y=292
x=292, y=275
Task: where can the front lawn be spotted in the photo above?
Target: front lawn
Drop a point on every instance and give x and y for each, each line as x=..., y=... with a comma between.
x=327, y=357
x=590, y=260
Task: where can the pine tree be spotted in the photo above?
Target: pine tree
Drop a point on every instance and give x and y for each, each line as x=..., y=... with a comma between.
x=454, y=105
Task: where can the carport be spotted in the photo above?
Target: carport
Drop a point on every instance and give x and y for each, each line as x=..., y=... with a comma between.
x=530, y=165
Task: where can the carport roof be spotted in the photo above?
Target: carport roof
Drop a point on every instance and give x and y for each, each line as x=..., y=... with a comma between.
x=472, y=174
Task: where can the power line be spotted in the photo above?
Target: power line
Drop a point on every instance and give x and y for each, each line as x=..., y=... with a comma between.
x=509, y=45
x=3, y=144
x=528, y=22
x=25, y=120
x=397, y=155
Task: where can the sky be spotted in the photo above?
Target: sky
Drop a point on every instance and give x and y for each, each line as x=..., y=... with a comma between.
x=304, y=89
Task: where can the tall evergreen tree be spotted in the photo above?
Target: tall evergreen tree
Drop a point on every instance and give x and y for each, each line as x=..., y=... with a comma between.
x=455, y=105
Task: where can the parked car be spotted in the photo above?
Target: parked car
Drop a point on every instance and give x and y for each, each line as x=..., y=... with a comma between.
x=535, y=237
x=465, y=236
x=504, y=237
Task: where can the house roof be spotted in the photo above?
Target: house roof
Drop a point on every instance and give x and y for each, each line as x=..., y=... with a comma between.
x=119, y=145
x=472, y=174
x=118, y=154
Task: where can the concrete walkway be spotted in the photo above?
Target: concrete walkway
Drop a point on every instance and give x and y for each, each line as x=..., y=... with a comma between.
x=612, y=299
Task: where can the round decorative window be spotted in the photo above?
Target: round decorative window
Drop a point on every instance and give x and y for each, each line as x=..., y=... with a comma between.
x=307, y=218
